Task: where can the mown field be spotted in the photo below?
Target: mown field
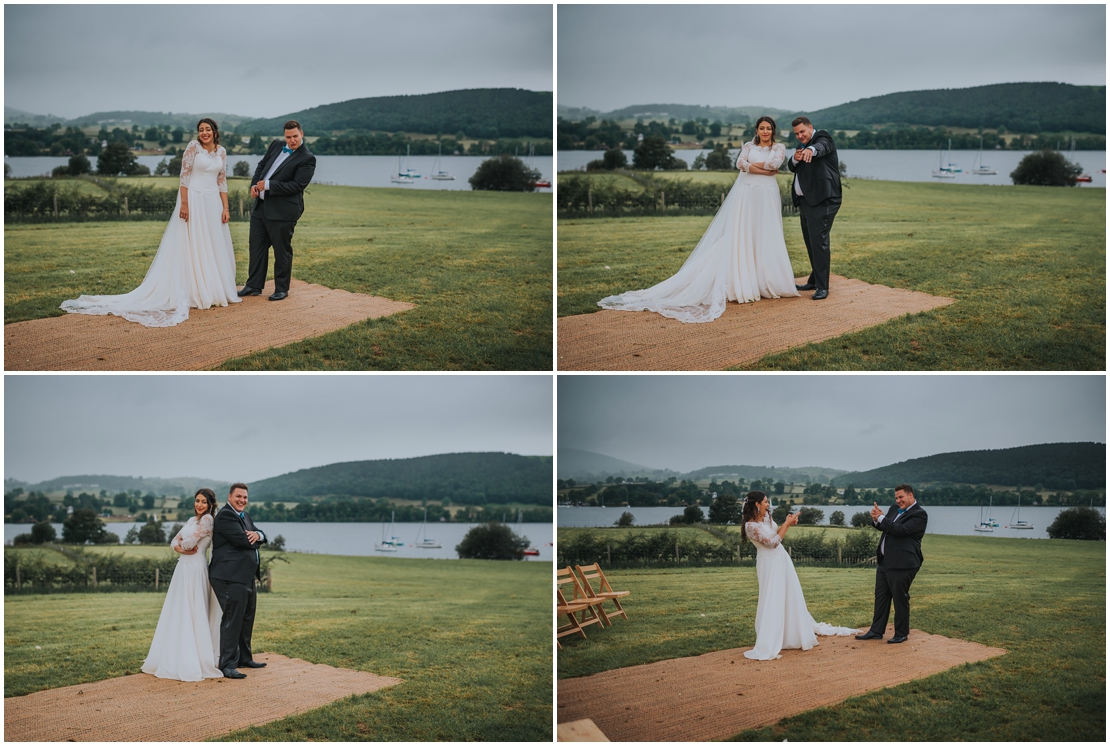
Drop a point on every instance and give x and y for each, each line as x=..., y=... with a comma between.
x=1044, y=601
x=1026, y=265
x=470, y=639
x=476, y=264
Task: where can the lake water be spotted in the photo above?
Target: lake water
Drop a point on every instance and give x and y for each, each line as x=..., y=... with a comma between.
x=358, y=539
x=344, y=170
x=957, y=521
x=901, y=165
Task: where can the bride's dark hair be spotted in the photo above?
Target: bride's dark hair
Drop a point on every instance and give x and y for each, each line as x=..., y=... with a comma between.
x=216, y=131
x=774, y=129
x=209, y=497
x=751, y=510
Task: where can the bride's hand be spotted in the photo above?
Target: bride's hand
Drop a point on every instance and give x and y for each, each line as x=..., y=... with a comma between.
x=225, y=216
x=184, y=214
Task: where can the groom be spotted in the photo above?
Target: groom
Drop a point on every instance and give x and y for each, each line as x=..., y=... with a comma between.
x=899, y=559
x=278, y=188
x=817, y=195
x=232, y=572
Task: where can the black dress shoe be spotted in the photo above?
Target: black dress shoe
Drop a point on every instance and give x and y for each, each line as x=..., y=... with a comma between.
x=895, y=640
x=231, y=673
x=807, y=286
x=248, y=291
x=821, y=295
x=251, y=664
x=869, y=636
x=279, y=296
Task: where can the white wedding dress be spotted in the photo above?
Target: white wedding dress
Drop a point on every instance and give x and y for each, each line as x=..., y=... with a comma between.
x=781, y=618
x=742, y=255
x=186, y=644
x=195, y=263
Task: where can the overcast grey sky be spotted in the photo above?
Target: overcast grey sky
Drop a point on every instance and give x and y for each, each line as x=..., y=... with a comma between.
x=245, y=428
x=807, y=57
x=841, y=422
x=263, y=60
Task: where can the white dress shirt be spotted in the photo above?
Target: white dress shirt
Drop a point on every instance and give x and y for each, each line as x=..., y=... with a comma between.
x=882, y=544
x=266, y=179
x=798, y=184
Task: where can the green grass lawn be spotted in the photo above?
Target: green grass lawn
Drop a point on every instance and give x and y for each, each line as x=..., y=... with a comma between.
x=470, y=639
x=1042, y=600
x=1026, y=265
x=476, y=264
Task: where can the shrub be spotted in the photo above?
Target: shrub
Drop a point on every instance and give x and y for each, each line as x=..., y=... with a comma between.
x=277, y=544
x=42, y=533
x=78, y=165
x=614, y=158
x=837, y=518
x=242, y=168
x=692, y=514
x=152, y=533
x=504, y=173
x=861, y=519
x=1078, y=523
x=1046, y=168
x=654, y=153
x=810, y=516
x=626, y=519
x=85, y=527
x=492, y=540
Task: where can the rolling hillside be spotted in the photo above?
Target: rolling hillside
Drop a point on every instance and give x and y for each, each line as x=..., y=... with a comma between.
x=587, y=465
x=1057, y=466
x=799, y=475
x=464, y=478
x=680, y=112
x=93, y=483
x=480, y=113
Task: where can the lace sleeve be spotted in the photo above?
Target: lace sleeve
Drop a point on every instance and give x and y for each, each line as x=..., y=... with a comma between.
x=187, y=159
x=762, y=533
x=778, y=155
x=221, y=180
x=742, y=159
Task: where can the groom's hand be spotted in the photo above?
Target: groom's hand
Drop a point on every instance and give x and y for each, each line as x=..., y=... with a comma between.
x=254, y=537
x=876, y=511
x=798, y=153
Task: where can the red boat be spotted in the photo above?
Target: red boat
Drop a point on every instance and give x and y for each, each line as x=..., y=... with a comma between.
x=1086, y=178
x=543, y=183
x=532, y=552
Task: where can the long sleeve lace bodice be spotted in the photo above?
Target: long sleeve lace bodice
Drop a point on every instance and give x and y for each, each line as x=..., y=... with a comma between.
x=188, y=160
x=763, y=532
x=771, y=158
x=193, y=531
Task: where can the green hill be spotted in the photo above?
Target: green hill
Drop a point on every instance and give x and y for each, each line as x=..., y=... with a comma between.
x=587, y=465
x=1019, y=107
x=1057, y=466
x=93, y=483
x=680, y=112
x=465, y=478
x=799, y=475
x=487, y=113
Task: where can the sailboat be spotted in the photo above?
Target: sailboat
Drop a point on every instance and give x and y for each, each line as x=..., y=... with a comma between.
x=437, y=173
x=542, y=183
x=425, y=543
x=946, y=171
x=985, y=525
x=981, y=169
x=390, y=544
x=529, y=552
x=1015, y=519
x=404, y=175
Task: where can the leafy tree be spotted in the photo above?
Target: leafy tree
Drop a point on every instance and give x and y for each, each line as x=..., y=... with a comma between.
x=148, y=501
x=152, y=133
x=85, y=527
x=861, y=519
x=810, y=516
x=178, y=134
x=1046, y=168
x=79, y=164
x=614, y=158
x=837, y=518
x=132, y=536
x=504, y=173
x=692, y=514
x=7, y=171
x=242, y=168
x=780, y=487
x=1080, y=522
x=152, y=532
x=116, y=159
x=277, y=544
x=654, y=153
x=492, y=540
x=120, y=500
x=778, y=515
x=626, y=519
x=726, y=509
x=719, y=159
x=42, y=533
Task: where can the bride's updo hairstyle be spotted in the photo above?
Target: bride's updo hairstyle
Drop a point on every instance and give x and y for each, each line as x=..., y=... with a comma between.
x=209, y=497
x=751, y=510
x=216, y=133
x=774, y=129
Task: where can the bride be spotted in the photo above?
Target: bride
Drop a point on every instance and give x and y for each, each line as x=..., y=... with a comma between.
x=195, y=263
x=186, y=642
x=742, y=255
x=781, y=618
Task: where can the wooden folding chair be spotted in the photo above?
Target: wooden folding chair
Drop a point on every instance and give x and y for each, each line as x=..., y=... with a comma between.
x=579, y=602
x=604, y=591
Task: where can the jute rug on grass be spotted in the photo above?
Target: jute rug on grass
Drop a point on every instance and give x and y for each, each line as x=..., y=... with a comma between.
x=717, y=695
x=624, y=340
x=208, y=338
x=144, y=708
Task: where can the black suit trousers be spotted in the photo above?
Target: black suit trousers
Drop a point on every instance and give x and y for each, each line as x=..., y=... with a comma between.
x=237, y=602
x=817, y=221
x=264, y=234
x=892, y=585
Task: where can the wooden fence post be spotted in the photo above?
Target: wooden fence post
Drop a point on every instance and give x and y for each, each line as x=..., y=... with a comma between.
x=676, y=555
x=590, y=200
x=269, y=579
x=126, y=212
x=608, y=554
x=738, y=553
x=240, y=207
x=839, y=556
x=55, y=205
x=94, y=576
x=18, y=581
x=663, y=200
x=156, y=578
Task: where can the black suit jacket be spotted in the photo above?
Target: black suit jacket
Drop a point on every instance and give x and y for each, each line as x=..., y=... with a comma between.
x=234, y=558
x=903, y=537
x=284, y=199
x=820, y=178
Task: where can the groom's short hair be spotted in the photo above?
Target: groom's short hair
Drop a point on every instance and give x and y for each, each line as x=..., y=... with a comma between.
x=801, y=120
x=904, y=488
x=293, y=124
x=238, y=486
